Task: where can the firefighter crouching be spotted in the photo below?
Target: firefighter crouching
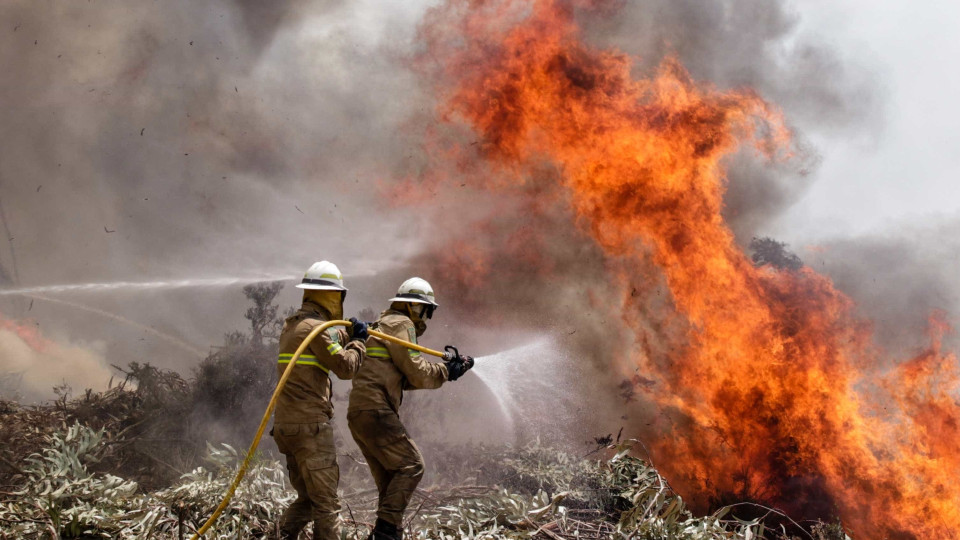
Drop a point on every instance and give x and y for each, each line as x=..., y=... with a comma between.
x=373, y=414
x=302, y=420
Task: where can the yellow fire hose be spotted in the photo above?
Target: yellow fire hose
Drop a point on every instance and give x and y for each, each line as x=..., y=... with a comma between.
x=273, y=404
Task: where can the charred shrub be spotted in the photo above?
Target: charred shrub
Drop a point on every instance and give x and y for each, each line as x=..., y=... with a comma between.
x=233, y=384
x=767, y=251
x=232, y=388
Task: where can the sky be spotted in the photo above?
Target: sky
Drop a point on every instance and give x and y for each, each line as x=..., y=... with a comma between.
x=905, y=174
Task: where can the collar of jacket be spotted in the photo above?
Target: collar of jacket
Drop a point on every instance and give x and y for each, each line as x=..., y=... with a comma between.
x=310, y=307
x=391, y=311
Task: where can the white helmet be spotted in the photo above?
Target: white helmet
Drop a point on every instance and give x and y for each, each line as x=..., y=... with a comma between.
x=323, y=276
x=416, y=291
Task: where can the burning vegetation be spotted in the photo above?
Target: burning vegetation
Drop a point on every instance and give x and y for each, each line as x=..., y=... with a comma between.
x=770, y=388
x=133, y=462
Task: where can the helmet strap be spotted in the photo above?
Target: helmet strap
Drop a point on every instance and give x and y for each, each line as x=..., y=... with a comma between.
x=415, y=310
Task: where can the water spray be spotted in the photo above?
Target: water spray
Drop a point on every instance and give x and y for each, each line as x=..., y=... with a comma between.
x=142, y=285
x=173, y=340
x=497, y=385
x=498, y=374
x=273, y=403
x=40, y=292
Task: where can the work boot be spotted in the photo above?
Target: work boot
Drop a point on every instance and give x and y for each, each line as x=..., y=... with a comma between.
x=384, y=530
x=290, y=533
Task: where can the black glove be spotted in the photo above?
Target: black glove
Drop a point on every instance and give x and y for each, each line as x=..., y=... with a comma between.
x=467, y=363
x=358, y=329
x=458, y=366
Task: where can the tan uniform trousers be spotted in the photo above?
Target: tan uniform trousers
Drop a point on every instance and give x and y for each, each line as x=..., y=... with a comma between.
x=394, y=459
x=312, y=463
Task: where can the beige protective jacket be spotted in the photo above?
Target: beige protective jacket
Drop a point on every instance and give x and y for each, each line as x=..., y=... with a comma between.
x=306, y=396
x=389, y=369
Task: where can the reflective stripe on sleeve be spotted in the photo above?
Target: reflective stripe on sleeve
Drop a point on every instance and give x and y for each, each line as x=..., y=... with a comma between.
x=334, y=348
x=378, y=352
x=304, y=360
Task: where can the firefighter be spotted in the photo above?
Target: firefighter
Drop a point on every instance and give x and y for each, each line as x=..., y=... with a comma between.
x=373, y=414
x=302, y=422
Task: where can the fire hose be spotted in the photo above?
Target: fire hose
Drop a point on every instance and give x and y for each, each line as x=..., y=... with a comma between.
x=273, y=403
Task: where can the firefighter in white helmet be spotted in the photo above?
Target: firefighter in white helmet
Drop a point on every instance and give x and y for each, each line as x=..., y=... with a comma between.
x=373, y=413
x=302, y=420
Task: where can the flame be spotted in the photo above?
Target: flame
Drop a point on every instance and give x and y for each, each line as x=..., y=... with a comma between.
x=775, y=395
x=38, y=363
x=27, y=331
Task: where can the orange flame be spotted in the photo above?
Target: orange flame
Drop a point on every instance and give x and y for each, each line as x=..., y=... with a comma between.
x=775, y=380
x=29, y=333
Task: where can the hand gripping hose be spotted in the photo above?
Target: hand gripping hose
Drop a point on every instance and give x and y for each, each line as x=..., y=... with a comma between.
x=273, y=404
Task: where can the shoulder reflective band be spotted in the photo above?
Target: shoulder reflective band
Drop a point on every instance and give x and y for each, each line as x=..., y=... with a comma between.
x=412, y=333
x=378, y=352
x=304, y=360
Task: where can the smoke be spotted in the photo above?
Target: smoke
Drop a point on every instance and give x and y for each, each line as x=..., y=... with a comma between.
x=530, y=238
x=520, y=258
x=32, y=365
x=188, y=130
x=898, y=278
x=226, y=137
x=757, y=45
x=156, y=141
x=175, y=140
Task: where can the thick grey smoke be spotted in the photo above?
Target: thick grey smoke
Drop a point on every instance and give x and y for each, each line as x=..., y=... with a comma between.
x=194, y=132
x=734, y=45
x=179, y=139
x=753, y=44
x=899, y=280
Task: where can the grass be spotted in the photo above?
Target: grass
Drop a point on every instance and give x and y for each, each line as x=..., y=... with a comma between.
x=529, y=492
